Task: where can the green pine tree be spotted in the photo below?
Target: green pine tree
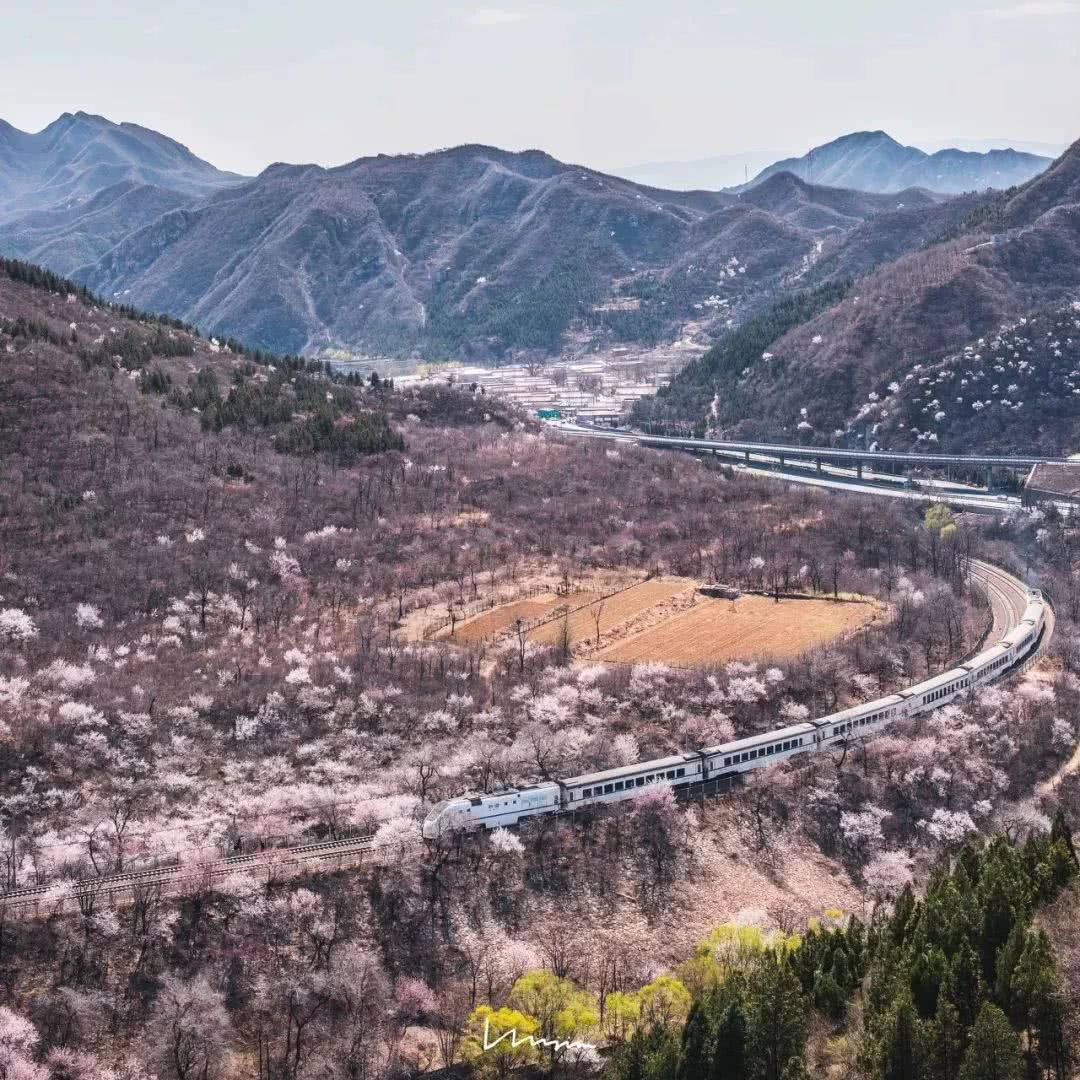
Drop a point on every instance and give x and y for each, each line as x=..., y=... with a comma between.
x=1060, y=830
x=903, y=1048
x=993, y=1052
x=776, y=1017
x=694, y=1055
x=729, y=1045
x=946, y=1039
x=965, y=986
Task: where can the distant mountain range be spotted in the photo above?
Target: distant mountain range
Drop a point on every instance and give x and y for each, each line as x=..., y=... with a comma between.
x=874, y=161
x=866, y=161
x=471, y=252
x=466, y=252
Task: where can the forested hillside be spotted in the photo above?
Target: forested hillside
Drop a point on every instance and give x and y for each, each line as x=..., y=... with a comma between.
x=990, y=299
x=229, y=588
x=961, y=983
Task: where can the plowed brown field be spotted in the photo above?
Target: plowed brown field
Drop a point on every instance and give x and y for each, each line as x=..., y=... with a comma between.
x=489, y=624
x=616, y=609
x=715, y=631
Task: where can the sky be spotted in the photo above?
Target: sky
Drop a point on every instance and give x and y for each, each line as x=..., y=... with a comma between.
x=606, y=83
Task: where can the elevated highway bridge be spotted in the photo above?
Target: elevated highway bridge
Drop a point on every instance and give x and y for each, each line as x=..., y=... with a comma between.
x=856, y=459
x=969, y=477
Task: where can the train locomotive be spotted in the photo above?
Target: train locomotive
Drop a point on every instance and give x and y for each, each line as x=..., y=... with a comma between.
x=504, y=808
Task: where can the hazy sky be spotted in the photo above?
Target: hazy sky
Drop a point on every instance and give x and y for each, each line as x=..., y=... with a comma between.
x=592, y=81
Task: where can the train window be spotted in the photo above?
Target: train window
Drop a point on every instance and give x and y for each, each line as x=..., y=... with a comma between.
x=680, y=772
x=727, y=761
x=608, y=788
x=618, y=785
x=640, y=781
x=587, y=793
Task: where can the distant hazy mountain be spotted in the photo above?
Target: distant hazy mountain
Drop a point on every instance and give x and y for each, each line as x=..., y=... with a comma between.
x=79, y=155
x=874, y=161
x=707, y=174
x=70, y=192
x=981, y=146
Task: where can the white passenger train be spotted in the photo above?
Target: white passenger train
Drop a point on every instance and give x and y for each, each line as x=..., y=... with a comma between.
x=716, y=762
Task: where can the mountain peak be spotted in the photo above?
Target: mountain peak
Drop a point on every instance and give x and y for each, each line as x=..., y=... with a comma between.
x=875, y=161
x=80, y=153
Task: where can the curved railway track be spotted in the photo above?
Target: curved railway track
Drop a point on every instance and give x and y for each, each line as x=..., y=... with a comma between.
x=1007, y=596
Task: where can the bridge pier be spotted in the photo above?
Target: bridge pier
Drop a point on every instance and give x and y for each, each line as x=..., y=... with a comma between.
x=817, y=462
x=747, y=457
x=858, y=469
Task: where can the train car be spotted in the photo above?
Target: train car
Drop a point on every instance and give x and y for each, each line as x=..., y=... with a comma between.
x=988, y=664
x=940, y=690
x=757, y=751
x=611, y=785
x=494, y=811
x=859, y=719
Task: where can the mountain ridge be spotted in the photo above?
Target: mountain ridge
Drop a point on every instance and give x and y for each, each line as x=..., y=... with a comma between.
x=469, y=251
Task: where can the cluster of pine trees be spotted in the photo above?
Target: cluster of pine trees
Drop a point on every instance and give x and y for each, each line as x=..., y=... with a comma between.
x=134, y=349
x=311, y=417
x=959, y=985
x=963, y=983
x=22, y=330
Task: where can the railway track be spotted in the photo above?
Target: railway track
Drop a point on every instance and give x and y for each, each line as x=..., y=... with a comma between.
x=170, y=879
x=1008, y=598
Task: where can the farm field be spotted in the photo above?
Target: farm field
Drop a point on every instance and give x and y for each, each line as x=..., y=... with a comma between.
x=752, y=627
x=614, y=610
x=497, y=620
